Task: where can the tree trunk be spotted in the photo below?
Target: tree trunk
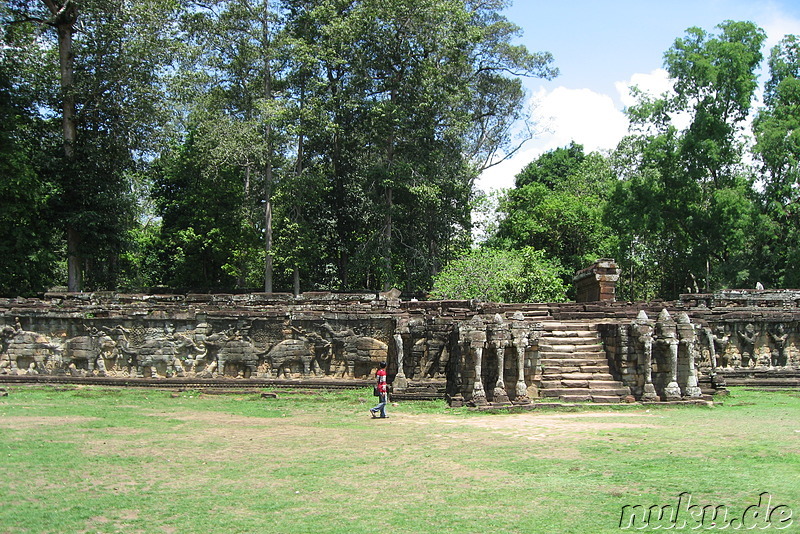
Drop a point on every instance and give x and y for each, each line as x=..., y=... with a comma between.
x=268, y=229
x=64, y=17
x=387, y=239
x=268, y=170
x=389, y=195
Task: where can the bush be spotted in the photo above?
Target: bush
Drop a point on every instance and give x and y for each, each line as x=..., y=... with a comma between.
x=525, y=275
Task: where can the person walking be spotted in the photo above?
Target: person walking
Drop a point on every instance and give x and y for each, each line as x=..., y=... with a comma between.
x=383, y=393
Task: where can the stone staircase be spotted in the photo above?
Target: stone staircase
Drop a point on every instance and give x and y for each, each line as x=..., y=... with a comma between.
x=575, y=365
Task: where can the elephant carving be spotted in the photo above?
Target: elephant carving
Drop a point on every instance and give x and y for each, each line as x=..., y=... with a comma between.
x=303, y=351
x=89, y=351
x=360, y=350
x=27, y=350
x=236, y=349
x=157, y=352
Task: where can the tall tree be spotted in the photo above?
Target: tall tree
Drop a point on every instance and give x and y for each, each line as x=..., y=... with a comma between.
x=110, y=55
x=689, y=185
x=28, y=249
x=777, y=131
x=557, y=207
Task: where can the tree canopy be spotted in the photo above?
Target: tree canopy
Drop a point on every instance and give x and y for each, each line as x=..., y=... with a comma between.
x=293, y=145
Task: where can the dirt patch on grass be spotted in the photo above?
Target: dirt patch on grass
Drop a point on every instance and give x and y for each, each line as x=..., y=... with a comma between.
x=536, y=427
x=19, y=421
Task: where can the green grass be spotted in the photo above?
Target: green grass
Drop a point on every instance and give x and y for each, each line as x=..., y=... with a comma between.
x=102, y=460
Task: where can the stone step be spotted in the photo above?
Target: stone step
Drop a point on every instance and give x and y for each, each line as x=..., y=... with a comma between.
x=573, y=373
x=553, y=362
x=551, y=326
x=550, y=384
x=574, y=383
x=593, y=371
x=591, y=334
x=570, y=348
x=575, y=341
x=577, y=355
x=607, y=399
x=576, y=398
x=608, y=388
x=581, y=376
x=620, y=392
x=605, y=384
x=531, y=314
x=559, y=392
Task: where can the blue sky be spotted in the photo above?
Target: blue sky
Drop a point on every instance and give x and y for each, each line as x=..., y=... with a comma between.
x=601, y=47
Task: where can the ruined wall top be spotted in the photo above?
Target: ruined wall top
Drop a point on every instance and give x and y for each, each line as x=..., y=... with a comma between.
x=724, y=305
x=597, y=282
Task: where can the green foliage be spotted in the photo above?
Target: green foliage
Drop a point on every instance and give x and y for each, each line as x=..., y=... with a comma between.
x=552, y=168
x=27, y=249
x=684, y=206
x=205, y=243
x=486, y=274
x=557, y=206
x=777, y=131
x=113, y=79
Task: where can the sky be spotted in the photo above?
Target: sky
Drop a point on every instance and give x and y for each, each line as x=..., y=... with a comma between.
x=603, y=47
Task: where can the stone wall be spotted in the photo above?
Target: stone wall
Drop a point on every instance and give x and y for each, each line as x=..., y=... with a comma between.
x=597, y=282
x=316, y=335
x=479, y=352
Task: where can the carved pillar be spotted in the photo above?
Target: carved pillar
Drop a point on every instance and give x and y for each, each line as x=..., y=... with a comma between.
x=521, y=389
x=687, y=339
x=498, y=335
x=673, y=391
x=668, y=336
x=519, y=340
x=643, y=331
x=400, y=382
x=717, y=380
x=712, y=350
x=478, y=394
x=500, y=394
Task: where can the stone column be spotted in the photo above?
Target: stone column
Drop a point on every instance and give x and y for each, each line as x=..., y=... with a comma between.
x=498, y=331
x=519, y=340
x=400, y=382
x=668, y=336
x=687, y=339
x=500, y=394
x=476, y=340
x=643, y=331
x=717, y=380
x=478, y=393
x=521, y=389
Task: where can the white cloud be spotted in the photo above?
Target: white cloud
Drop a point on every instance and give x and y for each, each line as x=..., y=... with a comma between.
x=777, y=24
x=567, y=115
x=654, y=83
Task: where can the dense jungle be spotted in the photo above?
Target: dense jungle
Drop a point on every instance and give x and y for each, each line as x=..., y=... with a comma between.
x=306, y=145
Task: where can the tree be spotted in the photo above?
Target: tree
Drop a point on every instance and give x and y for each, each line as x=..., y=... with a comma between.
x=685, y=197
x=200, y=206
x=557, y=207
x=28, y=251
x=777, y=131
x=425, y=96
x=524, y=275
x=109, y=59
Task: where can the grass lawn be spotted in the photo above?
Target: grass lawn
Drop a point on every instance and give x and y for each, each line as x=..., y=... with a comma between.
x=103, y=460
